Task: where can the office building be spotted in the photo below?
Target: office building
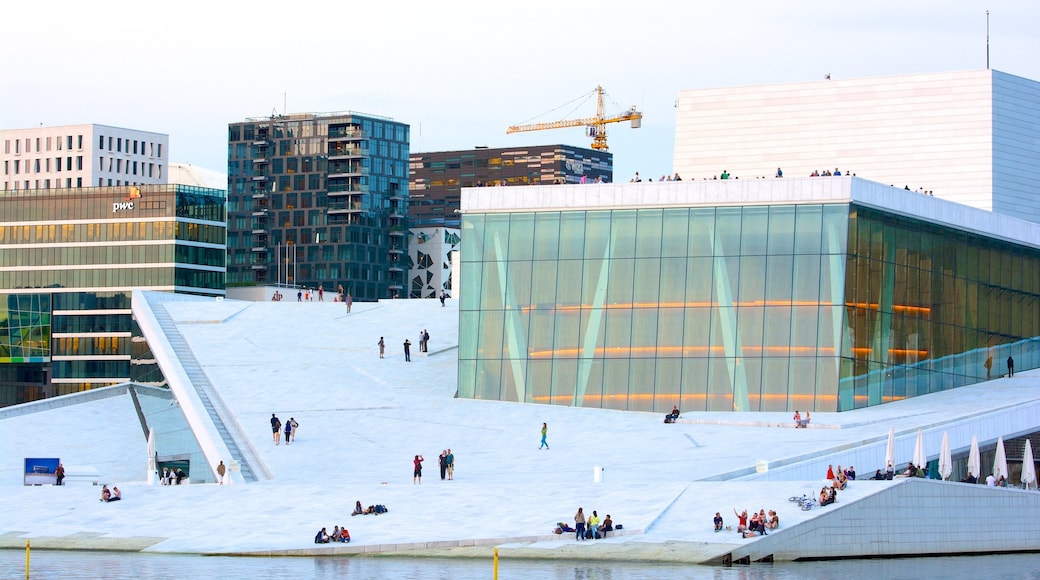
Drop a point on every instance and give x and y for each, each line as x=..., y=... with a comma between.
x=319, y=200
x=431, y=252
x=69, y=260
x=972, y=137
x=437, y=177
x=82, y=156
x=821, y=294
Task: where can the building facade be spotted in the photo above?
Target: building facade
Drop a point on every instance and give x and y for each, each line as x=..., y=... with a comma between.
x=759, y=295
x=437, y=177
x=319, y=200
x=430, y=255
x=69, y=260
x=82, y=156
x=972, y=137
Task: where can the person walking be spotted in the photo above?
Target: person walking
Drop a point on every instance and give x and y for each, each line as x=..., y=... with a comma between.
x=417, y=469
x=221, y=470
x=407, y=350
x=59, y=474
x=545, y=429
x=443, y=297
x=350, y=302
x=276, y=428
x=295, y=427
x=382, y=347
x=425, y=341
x=288, y=430
x=1011, y=366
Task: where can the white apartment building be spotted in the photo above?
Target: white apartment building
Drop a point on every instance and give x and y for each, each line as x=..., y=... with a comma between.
x=82, y=156
x=972, y=137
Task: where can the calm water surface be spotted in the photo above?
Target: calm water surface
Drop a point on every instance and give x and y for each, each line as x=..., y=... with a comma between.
x=118, y=566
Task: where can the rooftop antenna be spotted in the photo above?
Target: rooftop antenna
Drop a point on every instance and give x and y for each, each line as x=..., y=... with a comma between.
x=987, y=40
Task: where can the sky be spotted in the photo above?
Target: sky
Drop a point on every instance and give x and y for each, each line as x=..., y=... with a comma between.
x=362, y=419
x=461, y=71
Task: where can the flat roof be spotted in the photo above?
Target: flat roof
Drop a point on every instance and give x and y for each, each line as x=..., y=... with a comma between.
x=751, y=192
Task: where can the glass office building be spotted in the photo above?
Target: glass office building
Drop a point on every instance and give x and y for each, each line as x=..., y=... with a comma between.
x=823, y=294
x=69, y=261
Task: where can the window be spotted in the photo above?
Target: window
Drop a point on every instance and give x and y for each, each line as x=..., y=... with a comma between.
x=48, y=143
x=109, y=145
x=69, y=139
x=17, y=166
x=7, y=147
x=101, y=142
x=68, y=162
x=79, y=162
x=119, y=144
x=37, y=144
x=160, y=153
x=57, y=163
x=79, y=182
x=79, y=141
x=135, y=146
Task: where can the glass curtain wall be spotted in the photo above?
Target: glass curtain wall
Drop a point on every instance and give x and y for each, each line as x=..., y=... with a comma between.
x=810, y=307
x=714, y=309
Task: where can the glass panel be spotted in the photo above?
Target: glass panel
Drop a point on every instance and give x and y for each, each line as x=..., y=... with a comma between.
x=521, y=236
x=519, y=285
x=778, y=278
x=641, y=380
x=808, y=229
x=702, y=232
x=694, y=381
x=543, y=284
x=648, y=241
x=672, y=282
x=674, y=230
x=568, y=284
x=646, y=280
x=754, y=231
x=623, y=234
x=572, y=235
x=699, y=281
x=644, y=332
x=547, y=236
x=670, y=326
x=565, y=376
x=781, y=229
x=621, y=279
x=597, y=235
x=753, y=281
x=539, y=379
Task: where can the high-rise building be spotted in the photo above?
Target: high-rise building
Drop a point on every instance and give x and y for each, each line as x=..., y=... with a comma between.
x=82, y=156
x=319, y=200
x=822, y=294
x=437, y=177
x=972, y=137
x=69, y=261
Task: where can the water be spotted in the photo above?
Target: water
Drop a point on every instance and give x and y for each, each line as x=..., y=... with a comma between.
x=120, y=565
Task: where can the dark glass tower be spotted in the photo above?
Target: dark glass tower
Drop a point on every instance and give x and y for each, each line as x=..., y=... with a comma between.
x=319, y=200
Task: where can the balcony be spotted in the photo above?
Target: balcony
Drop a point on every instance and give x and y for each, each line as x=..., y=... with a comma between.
x=335, y=189
x=261, y=177
x=259, y=211
x=396, y=268
x=259, y=249
x=397, y=232
x=345, y=207
x=339, y=153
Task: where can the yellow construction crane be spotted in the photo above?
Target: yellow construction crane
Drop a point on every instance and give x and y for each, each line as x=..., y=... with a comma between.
x=597, y=126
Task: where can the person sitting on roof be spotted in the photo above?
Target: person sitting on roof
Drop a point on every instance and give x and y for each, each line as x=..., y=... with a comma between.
x=322, y=537
x=671, y=417
x=344, y=536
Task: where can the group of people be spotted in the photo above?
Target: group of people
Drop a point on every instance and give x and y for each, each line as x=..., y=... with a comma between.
x=828, y=495
x=290, y=430
x=802, y=422
x=309, y=294
x=338, y=535
x=424, y=341
x=827, y=173
x=109, y=495
x=372, y=509
x=173, y=476
x=447, y=464
x=755, y=525
x=839, y=478
x=637, y=179
x=591, y=528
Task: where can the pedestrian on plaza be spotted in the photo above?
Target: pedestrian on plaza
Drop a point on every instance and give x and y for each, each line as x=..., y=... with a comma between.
x=451, y=465
x=407, y=350
x=350, y=302
x=545, y=429
x=382, y=347
x=417, y=469
x=1011, y=366
x=442, y=462
x=276, y=428
x=221, y=470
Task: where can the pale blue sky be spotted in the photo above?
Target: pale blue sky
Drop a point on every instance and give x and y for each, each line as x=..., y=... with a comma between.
x=459, y=72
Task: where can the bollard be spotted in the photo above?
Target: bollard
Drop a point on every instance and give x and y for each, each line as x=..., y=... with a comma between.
x=496, y=563
x=27, y=560
x=597, y=474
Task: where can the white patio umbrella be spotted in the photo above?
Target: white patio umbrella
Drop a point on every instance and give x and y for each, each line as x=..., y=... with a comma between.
x=1028, y=467
x=890, y=451
x=151, y=457
x=919, y=457
x=974, y=459
x=945, y=458
x=1000, y=460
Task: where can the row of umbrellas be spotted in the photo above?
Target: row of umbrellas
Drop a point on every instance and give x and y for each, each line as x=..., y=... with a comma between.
x=1000, y=466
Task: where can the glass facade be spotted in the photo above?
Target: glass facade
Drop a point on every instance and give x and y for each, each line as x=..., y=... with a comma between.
x=69, y=261
x=745, y=308
x=318, y=200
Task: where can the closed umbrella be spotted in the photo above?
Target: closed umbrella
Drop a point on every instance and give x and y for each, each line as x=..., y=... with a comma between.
x=1028, y=467
x=919, y=456
x=151, y=457
x=974, y=459
x=945, y=458
x=890, y=451
x=1000, y=460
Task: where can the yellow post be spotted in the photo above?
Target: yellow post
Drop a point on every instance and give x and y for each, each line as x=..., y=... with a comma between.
x=27, y=560
x=496, y=564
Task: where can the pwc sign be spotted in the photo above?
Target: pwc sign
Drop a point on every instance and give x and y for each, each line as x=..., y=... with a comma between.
x=128, y=202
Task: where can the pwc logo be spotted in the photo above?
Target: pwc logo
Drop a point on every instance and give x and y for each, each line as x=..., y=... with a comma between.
x=128, y=202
